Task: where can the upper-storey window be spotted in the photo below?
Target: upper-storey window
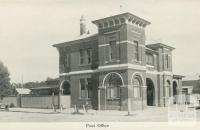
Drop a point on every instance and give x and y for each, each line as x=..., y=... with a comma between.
x=122, y=20
x=111, y=23
x=136, y=51
x=81, y=57
x=116, y=21
x=61, y=60
x=149, y=59
x=89, y=55
x=112, y=48
x=85, y=56
x=105, y=24
x=100, y=25
x=167, y=60
x=67, y=60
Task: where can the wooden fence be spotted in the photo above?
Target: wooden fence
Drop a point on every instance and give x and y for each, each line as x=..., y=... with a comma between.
x=33, y=101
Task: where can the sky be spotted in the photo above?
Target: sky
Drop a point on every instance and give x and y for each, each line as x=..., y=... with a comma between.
x=29, y=28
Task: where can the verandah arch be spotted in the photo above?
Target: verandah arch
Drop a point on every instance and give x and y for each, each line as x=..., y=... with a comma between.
x=175, y=87
x=65, y=87
x=167, y=88
x=150, y=92
x=137, y=83
x=112, y=82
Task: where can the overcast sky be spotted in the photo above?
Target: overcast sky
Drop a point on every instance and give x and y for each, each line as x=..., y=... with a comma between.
x=29, y=28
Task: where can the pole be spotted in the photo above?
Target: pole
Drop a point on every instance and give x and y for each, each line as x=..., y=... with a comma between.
x=142, y=98
x=129, y=101
x=22, y=82
x=129, y=106
x=99, y=104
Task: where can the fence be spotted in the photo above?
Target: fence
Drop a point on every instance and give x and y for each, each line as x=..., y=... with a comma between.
x=39, y=101
x=32, y=101
x=10, y=100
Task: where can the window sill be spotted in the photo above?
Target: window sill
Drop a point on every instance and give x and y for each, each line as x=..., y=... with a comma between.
x=112, y=61
x=136, y=61
x=151, y=66
x=84, y=65
x=113, y=99
x=85, y=99
x=137, y=98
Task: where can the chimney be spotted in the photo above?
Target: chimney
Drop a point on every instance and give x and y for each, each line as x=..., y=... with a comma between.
x=83, y=29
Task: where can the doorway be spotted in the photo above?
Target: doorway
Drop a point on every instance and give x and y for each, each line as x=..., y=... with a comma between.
x=150, y=92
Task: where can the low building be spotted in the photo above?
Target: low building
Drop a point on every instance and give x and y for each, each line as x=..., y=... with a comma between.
x=191, y=86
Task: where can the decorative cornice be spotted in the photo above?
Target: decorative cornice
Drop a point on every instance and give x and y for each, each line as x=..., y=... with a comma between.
x=118, y=67
x=125, y=18
x=122, y=42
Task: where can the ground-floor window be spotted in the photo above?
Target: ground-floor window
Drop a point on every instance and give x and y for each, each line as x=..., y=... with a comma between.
x=86, y=88
x=113, y=92
x=167, y=89
x=136, y=88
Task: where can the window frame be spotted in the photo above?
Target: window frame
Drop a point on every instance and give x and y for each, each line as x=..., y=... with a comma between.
x=112, y=41
x=167, y=89
x=148, y=59
x=167, y=61
x=85, y=56
x=113, y=90
x=136, y=53
x=110, y=92
x=86, y=89
x=89, y=56
x=137, y=87
x=81, y=57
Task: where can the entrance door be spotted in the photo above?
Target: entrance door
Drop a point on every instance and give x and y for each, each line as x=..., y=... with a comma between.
x=174, y=88
x=150, y=93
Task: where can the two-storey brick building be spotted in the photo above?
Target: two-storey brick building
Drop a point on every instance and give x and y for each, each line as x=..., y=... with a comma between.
x=115, y=69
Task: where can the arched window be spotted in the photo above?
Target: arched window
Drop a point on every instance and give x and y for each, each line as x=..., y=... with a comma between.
x=136, y=87
x=112, y=84
x=167, y=88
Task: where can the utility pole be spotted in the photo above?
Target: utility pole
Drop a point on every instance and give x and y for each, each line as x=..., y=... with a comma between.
x=22, y=84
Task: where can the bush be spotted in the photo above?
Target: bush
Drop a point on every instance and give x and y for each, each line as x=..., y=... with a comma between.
x=12, y=105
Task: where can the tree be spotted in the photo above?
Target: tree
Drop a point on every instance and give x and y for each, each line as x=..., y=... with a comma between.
x=196, y=88
x=5, y=88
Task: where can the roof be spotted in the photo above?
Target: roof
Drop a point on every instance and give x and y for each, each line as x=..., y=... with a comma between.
x=150, y=50
x=187, y=86
x=45, y=87
x=126, y=15
x=190, y=83
x=86, y=37
x=159, y=45
x=76, y=40
x=178, y=76
x=192, y=76
x=23, y=90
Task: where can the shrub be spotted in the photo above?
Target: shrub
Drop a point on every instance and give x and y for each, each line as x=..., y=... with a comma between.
x=12, y=105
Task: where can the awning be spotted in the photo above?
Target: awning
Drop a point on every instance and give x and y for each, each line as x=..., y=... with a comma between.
x=23, y=90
